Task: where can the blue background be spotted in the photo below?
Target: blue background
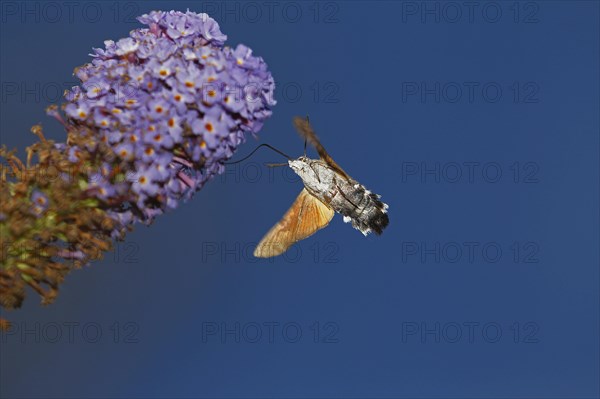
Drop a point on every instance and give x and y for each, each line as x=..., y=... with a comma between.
x=193, y=268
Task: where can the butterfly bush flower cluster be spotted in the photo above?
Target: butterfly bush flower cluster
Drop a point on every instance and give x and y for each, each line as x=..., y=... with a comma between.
x=173, y=103
x=154, y=118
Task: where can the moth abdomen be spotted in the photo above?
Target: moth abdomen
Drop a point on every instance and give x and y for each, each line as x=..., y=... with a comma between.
x=379, y=222
x=365, y=210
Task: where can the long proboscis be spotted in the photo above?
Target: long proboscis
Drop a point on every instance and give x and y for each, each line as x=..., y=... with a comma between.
x=256, y=149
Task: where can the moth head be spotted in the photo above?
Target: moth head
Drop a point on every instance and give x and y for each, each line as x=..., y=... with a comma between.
x=300, y=166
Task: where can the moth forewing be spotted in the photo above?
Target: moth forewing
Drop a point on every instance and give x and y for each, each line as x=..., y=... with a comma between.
x=305, y=217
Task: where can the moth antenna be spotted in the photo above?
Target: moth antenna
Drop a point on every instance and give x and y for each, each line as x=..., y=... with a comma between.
x=256, y=149
x=274, y=165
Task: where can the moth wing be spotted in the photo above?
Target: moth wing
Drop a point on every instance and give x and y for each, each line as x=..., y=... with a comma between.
x=306, y=216
x=305, y=129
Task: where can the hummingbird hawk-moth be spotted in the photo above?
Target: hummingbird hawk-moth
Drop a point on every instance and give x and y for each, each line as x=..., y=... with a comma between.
x=327, y=189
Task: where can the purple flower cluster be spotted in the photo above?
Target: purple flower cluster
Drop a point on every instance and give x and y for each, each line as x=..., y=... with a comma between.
x=173, y=103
